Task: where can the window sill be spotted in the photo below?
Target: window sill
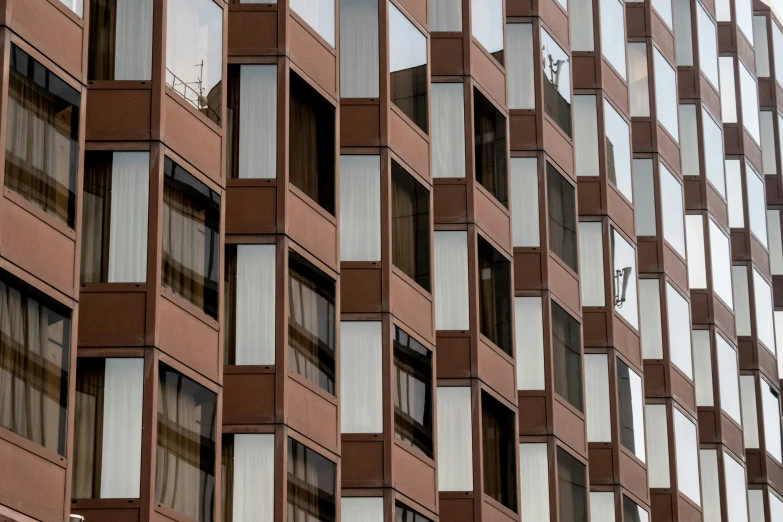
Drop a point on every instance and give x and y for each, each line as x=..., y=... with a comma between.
x=125, y=85
x=106, y=288
x=106, y=503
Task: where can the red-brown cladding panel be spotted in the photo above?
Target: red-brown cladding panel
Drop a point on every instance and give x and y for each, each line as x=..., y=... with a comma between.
x=248, y=398
x=311, y=414
x=311, y=55
x=446, y=52
x=453, y=357
x=188, y=339
x=601, y=464
x=411, y=306
x=527, y=270
x=534, y=420
x=456, y=509
x=119, y=115
x=252, y=32
x=362, y=463
x=251, y=210
x=360, y=125
x=450, y=202
x=497, y=371
x=308, y=227
x=187, y=135
x=112, y=318
x=413, y=477
x=360, y=290
x=108, y=515
x=409, y=145
x=35, y=486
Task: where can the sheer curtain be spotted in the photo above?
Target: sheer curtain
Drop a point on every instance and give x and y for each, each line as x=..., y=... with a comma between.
x=360, y=208
x=455, y=439
x=362, y=509
x=534, y=481
x=257, y=122
x=702, y=368
x=359, y=70
x=133, y=59
x=602, y=506
x=254, y=478
x=255, y=304
x=529, y=332
x=524, y=196
x=451, y=280
x=361, y=377
x=128, y=222
x=586, y=135
x=711, y=485
x=650, y=318
x=448, y=130
x=591, y=253
x=519, y=66
x=599, y=417
x=445, y=15
x=750, y=416
x=657, y=445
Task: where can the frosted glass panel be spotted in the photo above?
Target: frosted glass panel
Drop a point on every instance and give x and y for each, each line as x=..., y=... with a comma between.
x=768, y=144
x=756, y=204
x=319, y=14
x=650, y=318
x=720, y=263
x=362, y=509
x=713, y=152
x=591, y=263
x=750, y=103
x=770, y=405
x=534, y=481
x=599, y=417
x=448, y=130
x=618, y=148
x=728, y=377
x=711, y=483
x=728, y=92
x=697, y=263
x=255, y=304
x=734, y=196
x=750, y=418
x=679, y=330
x=739, y=277
x=689, y=138
x=762, y=294
x=455, y=439
x=666, y=94
x=254, y=478
x=128, y=221
x=257, y=122
x=708, y=45
x=521, y=82
x=360, y=208
x=638, y=79
x=451, y=280
x=683, y=32
x=761, y=46
x=644, y=197
x=657, y=445
x=702, y=368
x=524, y=197
x=359, y=73
x=529, y=332
x=775, y=241
x=582, y=38
x=672, y=211
x=686, y=450
x=445, y=15
x=602, y=506
x=361, y=377
x=612, y=38
x=585, y=135
x=736, y=489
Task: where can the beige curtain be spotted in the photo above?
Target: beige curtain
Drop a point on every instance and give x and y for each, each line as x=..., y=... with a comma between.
x=88, y=429
x=96, y=216
x=103, y=35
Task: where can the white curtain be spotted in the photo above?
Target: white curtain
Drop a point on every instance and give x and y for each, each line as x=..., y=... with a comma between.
x=775, y=242
x=750, y=416
x=582, y=32
x=762, y=297
x=710, y=484
x=638, y=79
x=679, y=316
x=586, y=135
x=520, y=64
x=770, y=406
x=445, y=15
x=360, y=208
x=734, y=198
x=697, y=261
x=258, y=121
x=255, y=304
x=359, y=70
x=768, y=153
x=686, y=449
x=133, y=42
x=602, y=506
x=728, y=377
x=529, y=333
x=672, y=209
x=720, y=262
x=591, y=263
x=319, y=14
x=254, y=478
x=689, y=134
x=739, y=277
x=534, y=481
x=129, y=210
x=650, y=318
x=122, y=422
x=736, y=489
x=455, y=439
x=644, y=197
x=361, y=377
x=451, y=280
x=448, y=130
x=524, y=197
x=756, y=505
x=657, y=445
x=599, y=416
x=702, y=368
x=775, y=507
x=362, y=509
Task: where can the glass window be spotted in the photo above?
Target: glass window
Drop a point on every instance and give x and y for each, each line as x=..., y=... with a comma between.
x=591, y=261
x=77, y=6
x=582, y=38
x=248, y=477
x=736, y=489
x=744, y=11
x=445, y=15
x=756, y=501
x=624, y=273
x=412, y=392
x=633, y=512
x=521, y=60
x=120, y=40
x=586, y=135
x=672, y=211
x=455, y=439
x=602, y=506
x=311, y=139
x=650, y=318
x=734, y=196
x=187, y=432
x=318, y=14
x=750, y=419
x=311, y=323
x=488, y=22
x=708, y=46
x=612, y=39
x=750, y=103
x=664, y=10
x=312, y=485
x=770, y=405
x=775, y=241
x=723, y=10
x=702, y=368
x=756, y=204
x=42, y=145
x=638, y=79
x=644, y=197
x=451, y=280
x=683, y=32
x=697, y=267
x=524, y=195
x=761, y=46
x=107, y=440
x=249, y=304
x=777, y=51
x=116, y=189
x=720, y=263
x=666, y=94
x=728, y=370
x=630, y=402
x=557, y=82
x=403, y=513
x=360, y=208
x=679, y=316
x=728, y=98
x=686, y=449
x=775, y=507
x=618, y=149
x=359, y=72
x=491, y=148
x=361, y=509
x=529, y=332
x=410, y=226
x=768, y=146
x=194, y=54
x=739, y=277
x=534, y=481
x=778, y=336
x=191, y=238
x=689, y=138
x=561, y=199
x=572, y=487
x=657, y=445
x=567, y=356
x=361, y=377
x=762, y=294
x=448, y=130
x=408, y=66
x=711, y=485
x=597, y=403
x=251, y=135
x=498, y=444
x=495, y=296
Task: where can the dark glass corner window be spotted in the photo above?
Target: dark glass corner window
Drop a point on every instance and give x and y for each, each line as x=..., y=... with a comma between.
x=412, y=392
x=312, y=485
x=410, y=226
x=403, y=513
x=187, y=426
x=311, y=142
x=191, y=238
x=42, y=147
x=489, y=126
x=499, y=445
x=632, y=512
x=408, y=66
x=572, y=487
x=495, y=296
x=567, y=358
x=311, y=323
x=120, y=40
x=557, y=82
x=561, y=200
x=630, y=399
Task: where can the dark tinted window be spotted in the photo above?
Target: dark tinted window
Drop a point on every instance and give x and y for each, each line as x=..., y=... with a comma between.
x=489, y=126
x=561, y=200
x=567, y=356
x=311, y=485
x=572, y=484
x=630, y=404
x=412, y=392
x=120, y=40
x=633, y=512
x=410, y=226
x=497, y=426
x=495, y=296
